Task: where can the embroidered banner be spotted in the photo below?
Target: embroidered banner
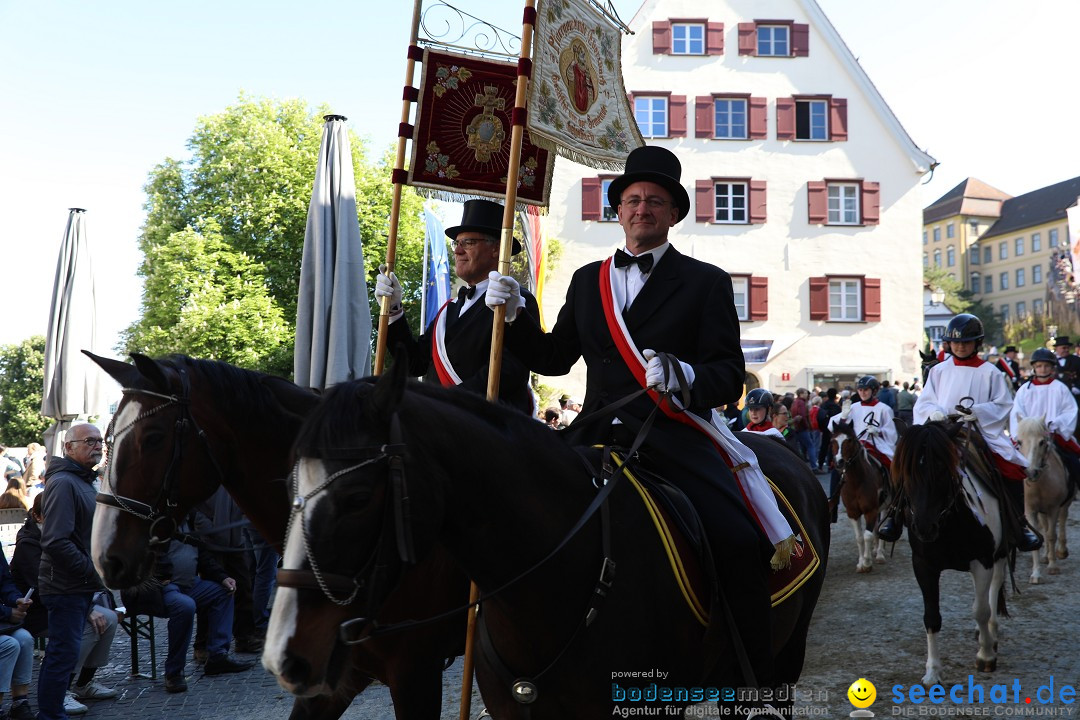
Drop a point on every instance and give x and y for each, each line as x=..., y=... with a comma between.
x=461, y=143
x=577, y=103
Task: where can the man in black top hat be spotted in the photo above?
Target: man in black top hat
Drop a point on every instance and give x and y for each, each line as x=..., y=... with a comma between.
x=648, y=297
x=1068, y=368
x=455, y=349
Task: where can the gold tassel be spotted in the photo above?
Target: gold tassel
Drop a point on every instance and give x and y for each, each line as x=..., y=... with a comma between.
x=784, y=550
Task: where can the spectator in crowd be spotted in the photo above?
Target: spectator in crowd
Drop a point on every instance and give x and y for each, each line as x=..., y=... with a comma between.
x=16, y=647
x=800, y=423
x=569, y=409
x=887, y=395
x=9, y=462
x=781, y=418
x=829, y=407
x=905, y=402
x=34, y=475
x=186, y=578
x=552, y=419
x=815, y=433
x=67, y=580
x=266, y=560
x=734, y=416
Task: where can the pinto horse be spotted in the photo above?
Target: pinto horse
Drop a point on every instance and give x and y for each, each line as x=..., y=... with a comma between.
x=186, y=426
x=570, y=601
x=861, y=486
x=954, y=524
x=1046, y=491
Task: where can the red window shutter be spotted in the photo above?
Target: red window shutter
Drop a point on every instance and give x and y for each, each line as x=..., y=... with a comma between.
x=758, y=128
x=677, y=116
x=759, y=298
x=661, y=37
x=590, y=198
x=817, y=199
x=800, y=40
x=838, y=119
x=714, y=39
x=871, y=203
x=757, y=202
x=785, y=118
x=704, y=201
x=871, y=288
x=747, y=39
x=704, y=117
x=819, y=298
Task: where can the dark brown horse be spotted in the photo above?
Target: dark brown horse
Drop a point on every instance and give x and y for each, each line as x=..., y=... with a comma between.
x=387, y=469
x=861, y=485
x=186, y=426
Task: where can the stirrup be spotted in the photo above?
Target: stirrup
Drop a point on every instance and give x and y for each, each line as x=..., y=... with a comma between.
x=889, y=530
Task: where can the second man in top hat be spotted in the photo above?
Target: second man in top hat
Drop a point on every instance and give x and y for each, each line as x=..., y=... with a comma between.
x=455, y=349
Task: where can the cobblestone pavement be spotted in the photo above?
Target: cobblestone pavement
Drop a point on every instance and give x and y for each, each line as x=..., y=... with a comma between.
x=865, y=626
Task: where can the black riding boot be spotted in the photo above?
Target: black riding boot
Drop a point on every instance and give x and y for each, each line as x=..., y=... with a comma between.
x=1025, y=537
x=890, y=528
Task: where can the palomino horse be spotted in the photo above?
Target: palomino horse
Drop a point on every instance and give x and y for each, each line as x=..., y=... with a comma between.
x=572, y=602
x=861, y=485
x=954, y=524
x=1046, y=491
x=184, y=427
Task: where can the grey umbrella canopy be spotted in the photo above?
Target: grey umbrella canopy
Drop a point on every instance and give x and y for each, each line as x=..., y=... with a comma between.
x=73, y=384
x=333, y=318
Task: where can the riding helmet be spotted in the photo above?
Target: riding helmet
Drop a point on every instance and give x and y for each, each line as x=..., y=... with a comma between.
x=868, y=381
x=1043, y=355
x=759, y=398
x=963, y=328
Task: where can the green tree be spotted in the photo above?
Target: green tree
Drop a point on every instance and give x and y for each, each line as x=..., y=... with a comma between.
x=246, y=189
x=22, y=379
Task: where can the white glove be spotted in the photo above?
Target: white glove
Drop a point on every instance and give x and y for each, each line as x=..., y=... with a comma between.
x=966, y=418
x=845, y=409
x=654, y=373
x=504, y=290
x=872, y=432
x=936, y=416
x=388, y=286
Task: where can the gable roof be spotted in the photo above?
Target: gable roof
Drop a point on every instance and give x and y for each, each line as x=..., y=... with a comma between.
x=1035, y=208
x=970, y=197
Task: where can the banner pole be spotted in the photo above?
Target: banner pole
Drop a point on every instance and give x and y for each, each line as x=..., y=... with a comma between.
x=398, y=178
x=498, y=324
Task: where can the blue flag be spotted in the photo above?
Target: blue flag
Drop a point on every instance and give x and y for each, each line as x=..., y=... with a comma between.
x=437, y=270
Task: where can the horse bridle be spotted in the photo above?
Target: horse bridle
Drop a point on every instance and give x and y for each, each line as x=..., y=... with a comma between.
x=160, y=513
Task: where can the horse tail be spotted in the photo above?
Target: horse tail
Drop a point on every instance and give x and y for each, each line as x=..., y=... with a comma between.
x=1003, y=611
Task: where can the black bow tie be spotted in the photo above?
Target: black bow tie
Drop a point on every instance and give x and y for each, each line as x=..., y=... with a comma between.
x=465, y=293
x=644, y=262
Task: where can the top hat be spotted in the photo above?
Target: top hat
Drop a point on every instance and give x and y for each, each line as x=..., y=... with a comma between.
x=1010, y=348
x=482, y=216
x=652, y=163
x=1062, y=340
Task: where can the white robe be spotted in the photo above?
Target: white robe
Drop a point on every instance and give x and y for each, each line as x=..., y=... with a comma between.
x=948, y=383
x=866, y=418
x=1053, y=402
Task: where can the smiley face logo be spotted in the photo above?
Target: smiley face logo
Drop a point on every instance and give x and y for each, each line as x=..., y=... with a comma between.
x=862, y=693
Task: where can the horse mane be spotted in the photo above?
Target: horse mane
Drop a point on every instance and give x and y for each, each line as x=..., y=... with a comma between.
x=233, y=386
x=926, y=446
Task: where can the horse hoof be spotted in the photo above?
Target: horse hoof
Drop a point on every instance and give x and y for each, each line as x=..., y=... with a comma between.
x=986, y=665
x=1054, y=570
x=1063, y=553
x=879, y=560
x=1035, y=580
x=863, y=569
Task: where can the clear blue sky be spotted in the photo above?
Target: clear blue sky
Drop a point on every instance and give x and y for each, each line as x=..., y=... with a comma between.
x=95, y=94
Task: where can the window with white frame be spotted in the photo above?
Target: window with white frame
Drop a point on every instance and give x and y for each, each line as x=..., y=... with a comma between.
x=844, y=208
x=1003, y=281
x=975, y=255
x=988, y=255
x=1037, y=307
x=1004, y=314
x=1021, y=309
x=1036, y=242
x=1019, y=246
x=1020, y=277
x=730, y=118
x=730, y=202
x=924, y=239
x=773, y=41
x=687, y=39
x=976, y=286
x=845, y=299
x=950, y=256
x=1036, y=274
x=950, y=231
x=741, y=287
x=607, y=213
x=988, y=284
x=811, y=119
x=937, y=257
x=651, y=113
x=1053, y=235
x=925, y=260
x=937, y=234
x=1003, y=250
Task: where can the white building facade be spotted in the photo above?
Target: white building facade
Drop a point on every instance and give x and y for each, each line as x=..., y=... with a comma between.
x=804, y=187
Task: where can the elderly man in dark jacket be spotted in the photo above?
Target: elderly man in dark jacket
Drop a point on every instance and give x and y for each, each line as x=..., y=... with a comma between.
x=67, y=578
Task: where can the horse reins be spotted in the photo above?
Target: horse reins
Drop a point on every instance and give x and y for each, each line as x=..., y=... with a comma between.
x=160, y=517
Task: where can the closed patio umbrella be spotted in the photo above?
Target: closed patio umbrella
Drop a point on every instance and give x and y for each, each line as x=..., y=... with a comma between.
x=333, y=318
x=73, y=384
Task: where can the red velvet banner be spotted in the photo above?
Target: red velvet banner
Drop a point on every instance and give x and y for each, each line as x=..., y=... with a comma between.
x=461, y=146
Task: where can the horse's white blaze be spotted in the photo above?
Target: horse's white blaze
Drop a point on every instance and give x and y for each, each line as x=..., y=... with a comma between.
x=283, y=616
x=103, y=533
x=840, y=438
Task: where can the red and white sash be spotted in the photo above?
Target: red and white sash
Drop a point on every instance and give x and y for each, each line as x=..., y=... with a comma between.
x=439, y=357
x=743, y=463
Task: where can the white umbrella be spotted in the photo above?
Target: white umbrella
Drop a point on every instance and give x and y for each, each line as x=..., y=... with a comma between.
x=333, y=318
x=72, y=382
